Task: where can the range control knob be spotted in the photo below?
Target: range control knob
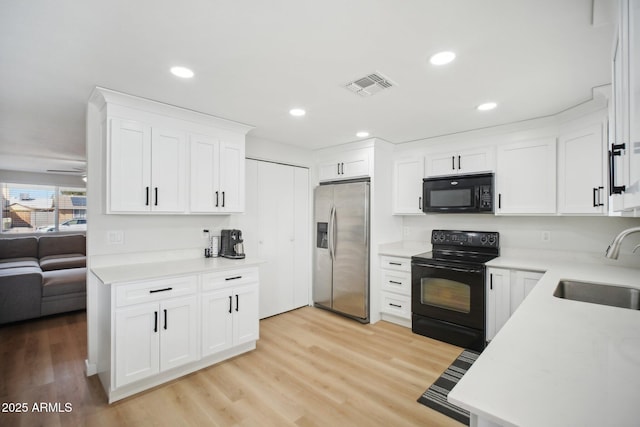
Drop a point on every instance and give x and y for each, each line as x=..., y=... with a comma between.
x=483, y=239
x=492, y=239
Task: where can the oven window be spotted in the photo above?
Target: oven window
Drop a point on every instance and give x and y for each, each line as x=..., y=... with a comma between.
x=447, y=294
x=451, y=198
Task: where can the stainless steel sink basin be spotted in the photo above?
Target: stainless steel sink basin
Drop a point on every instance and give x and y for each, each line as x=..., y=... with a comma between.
x=616, y=296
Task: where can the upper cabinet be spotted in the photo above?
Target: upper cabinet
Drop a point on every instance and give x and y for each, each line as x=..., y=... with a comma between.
x=582, y=172
x=346, y=165
x=407, y=185
x=461, y=162
x=625, y=144
x=164, y=159
x=146, y=169
x=526, y=177
x=217, y=175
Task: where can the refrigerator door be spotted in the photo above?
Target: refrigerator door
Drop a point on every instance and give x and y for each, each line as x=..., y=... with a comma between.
x=351, y=249
x=322, y=258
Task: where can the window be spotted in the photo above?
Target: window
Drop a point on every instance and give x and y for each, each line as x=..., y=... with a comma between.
x=30, y=208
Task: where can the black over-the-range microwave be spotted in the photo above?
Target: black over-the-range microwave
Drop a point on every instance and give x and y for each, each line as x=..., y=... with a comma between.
x=458, y=194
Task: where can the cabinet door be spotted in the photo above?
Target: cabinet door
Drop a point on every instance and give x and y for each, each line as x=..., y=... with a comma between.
x=137, y=338
x=329, y=171
x=217, y=321
x=442, y=164
x=168, y=171
x=522, y=283
x=526, y=177
x=205, y=174
x=246, y=325
x=356, y=164
x=179, y=338
x=498, y=300
x=407, y=186
x=632, y=196
x=581, y=174
x=232, y=179
x=479, y=160
x=129, y=167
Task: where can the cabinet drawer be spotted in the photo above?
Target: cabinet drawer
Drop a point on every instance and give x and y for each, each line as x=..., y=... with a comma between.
x=396, y=263
x=398, y=305
x=396, y=281
x=155, y=290
x=222, y=279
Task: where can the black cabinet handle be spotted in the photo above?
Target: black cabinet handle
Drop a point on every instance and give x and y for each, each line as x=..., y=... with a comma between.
x=599, y=196
x=394, y=263
x=223, y=199
x=217, y=199
x=616, y=150
x=395, y=282
x=230, y=302
x=459, y=163
x=147, y=202
x=156, y=191
x=491, y=281
x=338, y=165
x=499, y=200
x=395, y=305
x=233, y=278
x=453, y=162
x=155, y=322
x=165, y=319
x=237, y=302
x=153, y=291
x=420, y=203
x=595, y=203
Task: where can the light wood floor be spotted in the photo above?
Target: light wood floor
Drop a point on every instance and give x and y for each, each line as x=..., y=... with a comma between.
x=311, y=368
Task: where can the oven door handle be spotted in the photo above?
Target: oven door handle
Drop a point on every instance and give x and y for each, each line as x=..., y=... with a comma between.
x=444, y=267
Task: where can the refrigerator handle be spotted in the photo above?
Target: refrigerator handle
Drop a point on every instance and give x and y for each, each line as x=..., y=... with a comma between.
x=366, y=217
x=334, y=237
x=330, y=234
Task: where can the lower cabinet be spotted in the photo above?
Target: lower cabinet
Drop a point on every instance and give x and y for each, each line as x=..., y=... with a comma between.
x=396, y=290
x=153, y=331
x=506, y=289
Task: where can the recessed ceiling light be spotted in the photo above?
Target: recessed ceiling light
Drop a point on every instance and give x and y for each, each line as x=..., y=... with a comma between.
x=362, y=134
x=183, y=72
x=442, y=58
x=487, y=106
x=297, y=112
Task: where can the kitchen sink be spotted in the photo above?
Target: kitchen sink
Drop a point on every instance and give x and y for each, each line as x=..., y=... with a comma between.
x=616, y=296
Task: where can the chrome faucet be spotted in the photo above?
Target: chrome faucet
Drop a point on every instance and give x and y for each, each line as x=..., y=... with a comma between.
x=614, y=248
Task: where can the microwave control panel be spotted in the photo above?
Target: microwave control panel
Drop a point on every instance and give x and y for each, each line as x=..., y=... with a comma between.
x=486, y=197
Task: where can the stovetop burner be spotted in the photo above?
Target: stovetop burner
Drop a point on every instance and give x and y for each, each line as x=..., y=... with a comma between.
x=470, y=247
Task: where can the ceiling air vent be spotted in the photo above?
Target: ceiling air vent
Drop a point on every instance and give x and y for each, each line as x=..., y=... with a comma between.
x=370, y=85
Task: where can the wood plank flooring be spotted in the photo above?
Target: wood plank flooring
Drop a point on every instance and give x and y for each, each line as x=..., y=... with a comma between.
x=310, y=368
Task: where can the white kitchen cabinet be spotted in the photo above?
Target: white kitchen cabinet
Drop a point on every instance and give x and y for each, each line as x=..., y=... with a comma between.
x=217, y=175
x=146, y=169
x=506, y=289
x=395, y=286
x=582, y=172
x=154, y=337
x=626, y=108
x=461, y=162
x=407, y=186
x=526, y=177
x=230, y=302
x=348, y=164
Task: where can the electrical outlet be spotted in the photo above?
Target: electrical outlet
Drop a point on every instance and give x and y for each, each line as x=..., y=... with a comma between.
x=406, y=232
x=545, y=236
x=115, y=237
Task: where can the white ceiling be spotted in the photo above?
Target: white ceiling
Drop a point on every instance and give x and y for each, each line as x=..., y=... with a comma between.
x=256, y=59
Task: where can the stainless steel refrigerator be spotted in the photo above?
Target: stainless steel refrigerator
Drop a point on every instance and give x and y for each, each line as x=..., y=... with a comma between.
x=341, y=253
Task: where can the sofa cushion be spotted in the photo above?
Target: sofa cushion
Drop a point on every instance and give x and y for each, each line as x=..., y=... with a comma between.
x=64, y=261
x=57, y=245
x=20, y=290
x=21, y=247
x=18, y=263
x=59, y=282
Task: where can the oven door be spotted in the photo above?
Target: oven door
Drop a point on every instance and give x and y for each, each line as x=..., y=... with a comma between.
x=449, y=292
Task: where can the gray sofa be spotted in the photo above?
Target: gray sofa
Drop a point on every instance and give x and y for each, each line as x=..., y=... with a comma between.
x=42, y=275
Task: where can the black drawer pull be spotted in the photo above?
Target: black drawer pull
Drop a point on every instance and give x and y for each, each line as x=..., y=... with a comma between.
x=395, y=305
x=395, y=263
x=233, y=278
x=395, y=282
x=153, y=291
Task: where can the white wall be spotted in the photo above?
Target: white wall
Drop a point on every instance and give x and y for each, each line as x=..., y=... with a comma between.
x=263, y=149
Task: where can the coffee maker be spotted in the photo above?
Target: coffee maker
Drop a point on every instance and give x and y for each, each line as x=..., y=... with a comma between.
x=231, y=245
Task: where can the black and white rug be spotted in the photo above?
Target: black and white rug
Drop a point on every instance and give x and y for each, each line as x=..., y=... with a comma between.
x=435, y=397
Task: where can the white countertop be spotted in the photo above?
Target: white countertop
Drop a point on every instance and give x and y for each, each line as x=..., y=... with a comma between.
x=133, y=272
x=558, y=362
x=404, y=249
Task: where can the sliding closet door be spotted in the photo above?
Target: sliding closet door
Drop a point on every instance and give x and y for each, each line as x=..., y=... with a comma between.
x=302, y=244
